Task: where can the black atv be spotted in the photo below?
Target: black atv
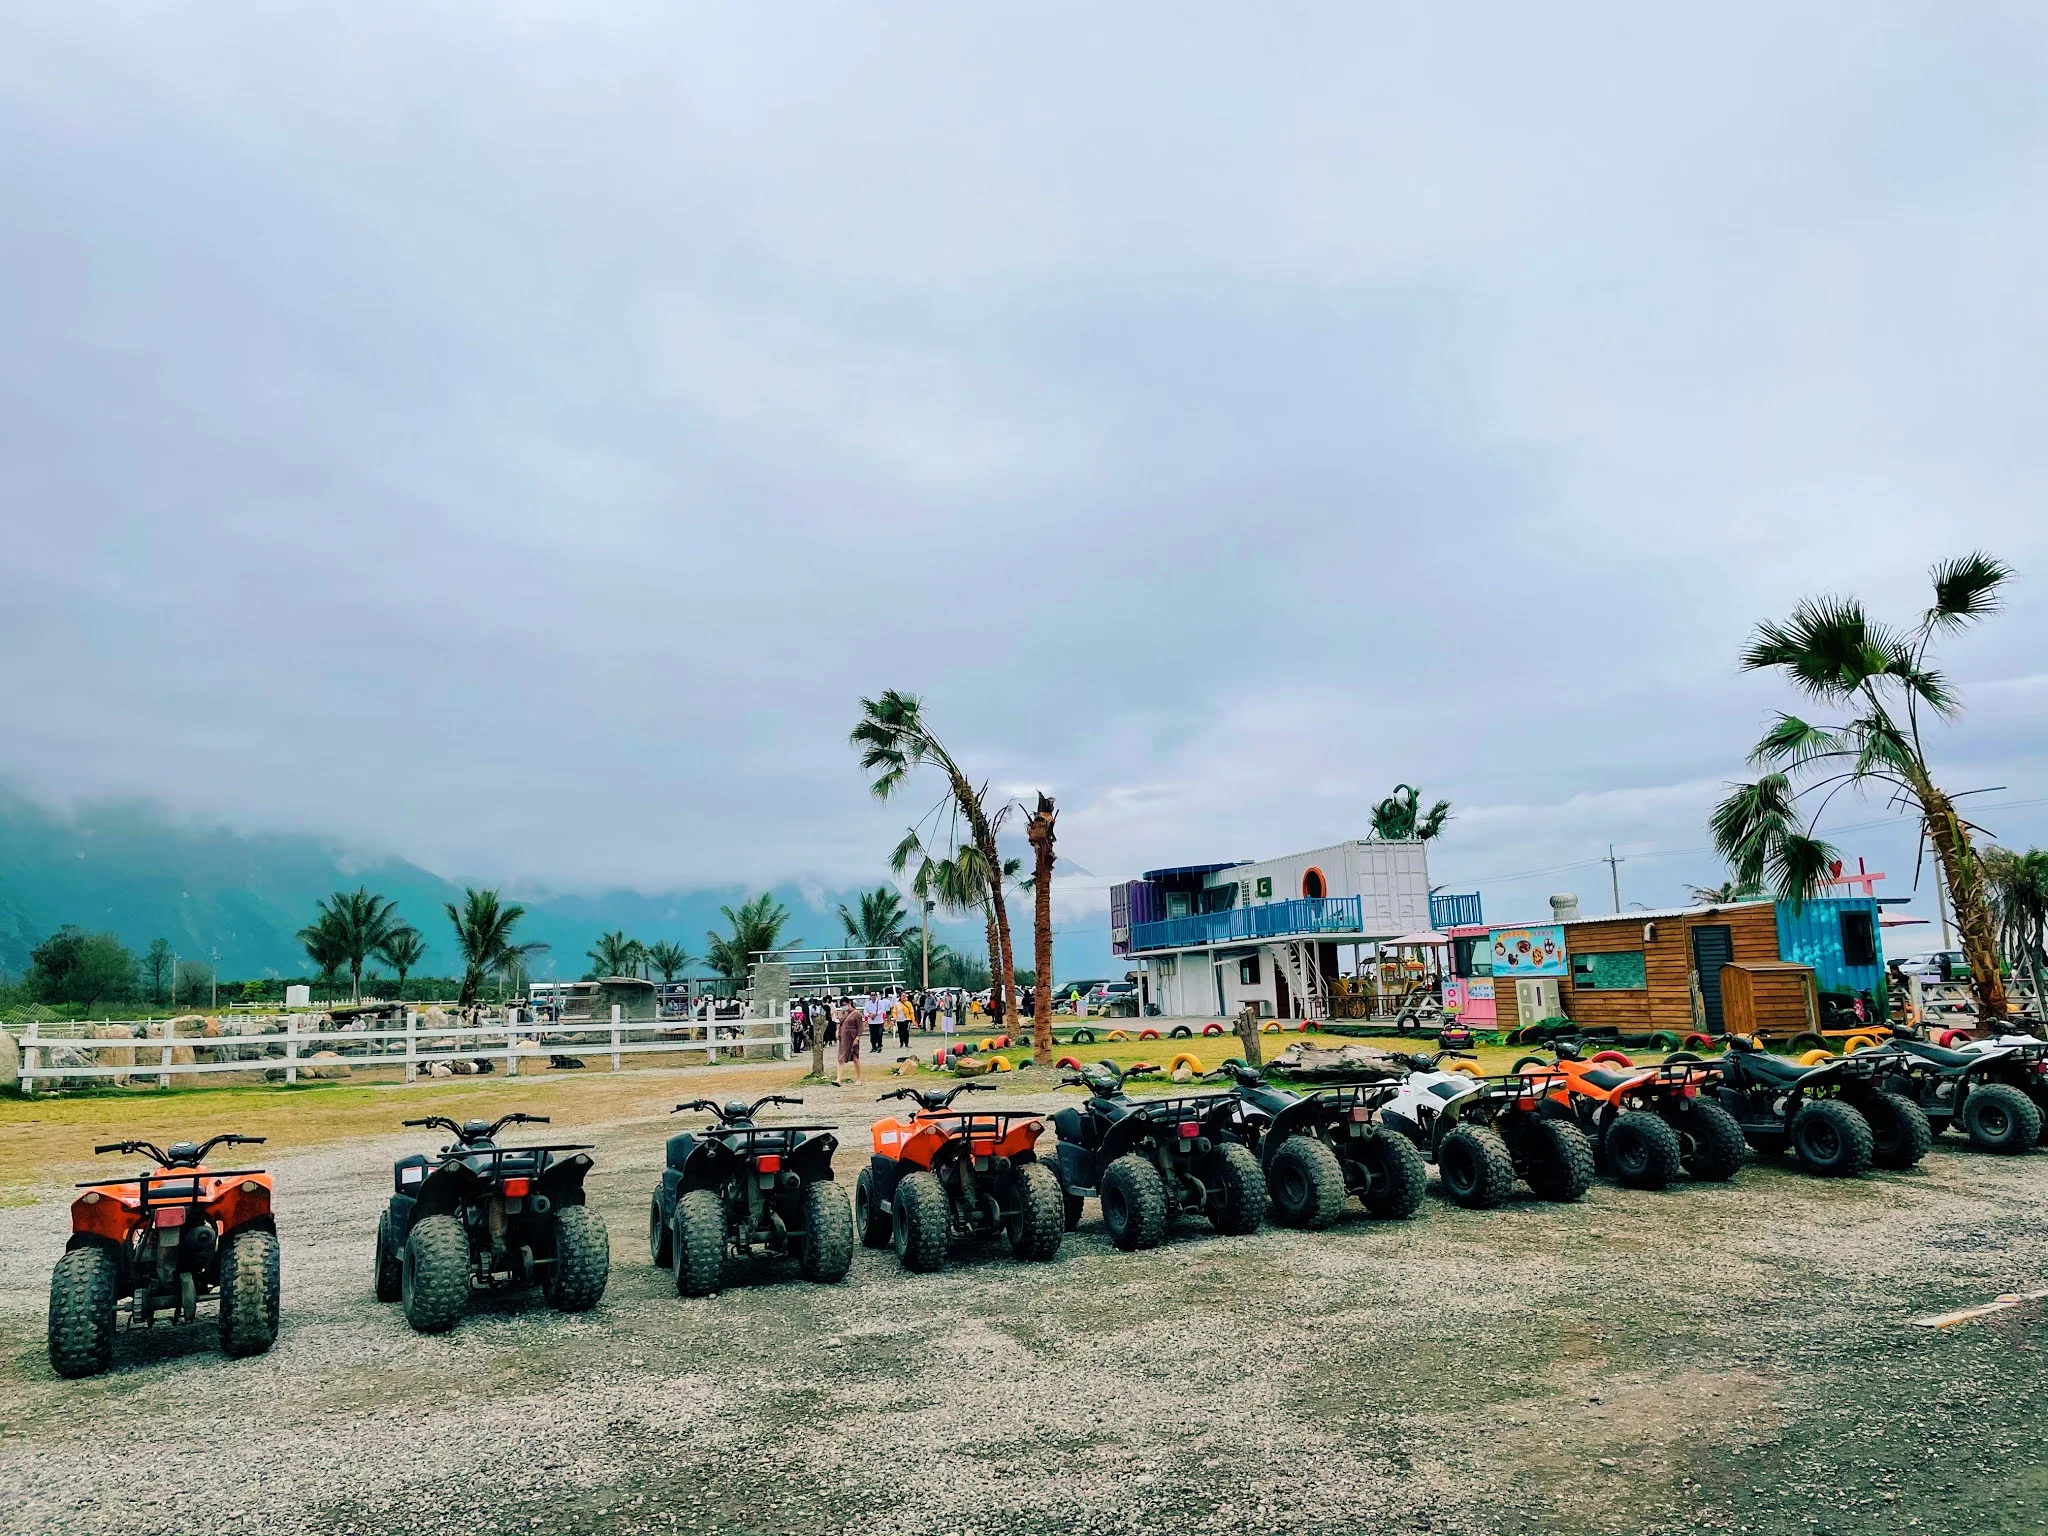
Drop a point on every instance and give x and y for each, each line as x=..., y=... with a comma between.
x=1150, y=1160
x=1994, y=1092
x=940, y=1173
x=735, y=1191
x=1321, y=1147
x=491, y=1216
x=1836, y=1117
x=1483, y=1133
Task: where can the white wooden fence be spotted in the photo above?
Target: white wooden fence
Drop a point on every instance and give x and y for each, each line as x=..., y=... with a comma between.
x=291, y=1049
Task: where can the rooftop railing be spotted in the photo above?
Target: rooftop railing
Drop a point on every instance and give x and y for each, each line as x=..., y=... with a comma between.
x=1260, y=920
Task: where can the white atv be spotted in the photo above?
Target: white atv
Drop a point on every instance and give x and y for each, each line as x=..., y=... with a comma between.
x=1484, y=1133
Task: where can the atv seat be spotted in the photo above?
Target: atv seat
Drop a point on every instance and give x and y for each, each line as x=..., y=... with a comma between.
x=1941, y=1056
x=1600, y=1077
x=1773, y=1068
x=1071, y=1125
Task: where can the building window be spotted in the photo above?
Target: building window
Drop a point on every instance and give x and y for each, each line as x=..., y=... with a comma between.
x=1248, y=971
x=1621, y=972
x=1165, y=965
x=1472, y=957
x=1177, y=904
x=1859, y=939
x=1312, y=884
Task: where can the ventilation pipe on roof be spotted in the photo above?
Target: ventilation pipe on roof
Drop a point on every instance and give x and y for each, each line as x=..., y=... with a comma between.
x=1564, y=907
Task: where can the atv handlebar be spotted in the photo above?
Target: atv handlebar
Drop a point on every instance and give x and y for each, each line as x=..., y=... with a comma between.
x=743, y=1115
x=163, y=1159
x=1426, y=1062
x=490, y=1134
x=931, y=1098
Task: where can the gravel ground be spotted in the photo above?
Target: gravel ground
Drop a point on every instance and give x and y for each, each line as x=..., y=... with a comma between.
x=1721, y=1358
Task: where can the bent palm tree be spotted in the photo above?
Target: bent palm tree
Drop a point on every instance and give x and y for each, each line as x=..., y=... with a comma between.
x=403, y=951
x=357, y=925
x=483, y=935
x=1731, y=889
x=881, y=921
x=1039, y=830
x=894, y=737
x=1832, y=651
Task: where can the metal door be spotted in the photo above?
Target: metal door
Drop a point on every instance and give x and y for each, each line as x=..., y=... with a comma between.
x=1713, y=946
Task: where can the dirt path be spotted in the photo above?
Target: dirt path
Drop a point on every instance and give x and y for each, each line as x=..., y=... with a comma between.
x=1710, y=1358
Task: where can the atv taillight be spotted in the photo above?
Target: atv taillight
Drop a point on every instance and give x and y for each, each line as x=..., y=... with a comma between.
x=772, y=1163
x=515, y=1189
x=168, y=1215
x=1190, y=1129
x=1361, y=1113
x=1691, y=1090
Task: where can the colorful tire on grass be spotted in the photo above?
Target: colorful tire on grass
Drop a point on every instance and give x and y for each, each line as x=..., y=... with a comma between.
x=1599, y=1058
x=999, y=1064
x=1068, y=1063
x=1857, y=1043
x=1186, y=1059
x=1118, y=1034
x=1663, y=1040
x=1081, y=1037
x=1212, y=1029
x=1697, y=1042
x=1269, y=1028
x=1148, y=1034
x=1181, y=1032
x=1466, y=1067
x=1948, y=1039
x=1815, y=1057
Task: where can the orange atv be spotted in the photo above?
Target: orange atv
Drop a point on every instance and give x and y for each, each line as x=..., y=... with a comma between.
x=166, y=1242
x=941, y=1172
x=1645, y=1123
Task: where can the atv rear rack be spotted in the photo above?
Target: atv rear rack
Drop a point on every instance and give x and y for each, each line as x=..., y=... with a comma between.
x=182, y=1176
x=1181, y=1105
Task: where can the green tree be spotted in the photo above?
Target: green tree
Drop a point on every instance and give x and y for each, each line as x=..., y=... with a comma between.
x=894, y=737
x=670, y=959
x=193, y=980
x=914, y=957
x=2019, y=897
x=1399, y=819
x=880, y=922
x=1835, y=653
x=1731, y=889
x=483, y=936
x=73, y=966
x=754, y=929
x=157, y=965
x=403, y=951
x=615, y=955
x=354, y=924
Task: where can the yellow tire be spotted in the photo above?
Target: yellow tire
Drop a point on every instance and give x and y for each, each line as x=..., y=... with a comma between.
x=1118, y=1034
x=1465, y=1067
x=999, y=1064
x=1186, y=1059
x=1269, y=1029
x=1815, y=1057
x=1857, y=1043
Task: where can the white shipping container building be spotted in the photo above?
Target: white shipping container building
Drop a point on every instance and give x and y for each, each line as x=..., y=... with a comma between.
x=1209, y=938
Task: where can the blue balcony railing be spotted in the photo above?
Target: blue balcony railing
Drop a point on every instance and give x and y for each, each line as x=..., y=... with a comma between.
x=1454, y=911
x=1261, y=920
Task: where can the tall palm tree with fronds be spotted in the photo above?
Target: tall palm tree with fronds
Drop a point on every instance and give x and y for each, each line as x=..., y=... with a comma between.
x=894, y=737
x=357, y=924
x=670, y=959
x=881, y=921
x=483, y=935
x=958, y=882
x=1039, y=830
x=1399, y=819
x=402, y=951
x=1835, y=653
x=616, y=955
x=754, y=929
x=323, y=945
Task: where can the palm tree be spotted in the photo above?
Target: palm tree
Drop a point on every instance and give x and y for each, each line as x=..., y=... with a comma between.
x=1731, y=889
x=323, y=945
x=356, y=924
x=2019, y=897
x=914, y=956
x=1396, y=819
x=1039, y=830
x=616, y=955
x=894, y=737
x=483, y=934
x=756, y=929
x=402, y=951
x=1832, y=651
x=959, y=884
x=881, y=921
x=669, y=959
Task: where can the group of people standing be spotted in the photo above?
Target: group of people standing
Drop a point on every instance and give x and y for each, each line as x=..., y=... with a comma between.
x=844, y=1020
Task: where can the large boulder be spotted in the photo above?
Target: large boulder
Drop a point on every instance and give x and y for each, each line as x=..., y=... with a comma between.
x=10, y=1061
x=325, y=1065
x=1305, y=1060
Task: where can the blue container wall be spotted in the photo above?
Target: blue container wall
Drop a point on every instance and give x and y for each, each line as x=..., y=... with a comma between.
x=1811, y=934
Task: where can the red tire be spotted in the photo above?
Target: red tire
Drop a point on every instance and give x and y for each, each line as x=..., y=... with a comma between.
x=1212, y=1029
x=1148, y=1034
x=1068, y=1063
x=1698, y=1043
x=1614, y=1056
x=1948, y=1039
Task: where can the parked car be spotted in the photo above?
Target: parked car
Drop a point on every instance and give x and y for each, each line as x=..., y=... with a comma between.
x=1942, y=965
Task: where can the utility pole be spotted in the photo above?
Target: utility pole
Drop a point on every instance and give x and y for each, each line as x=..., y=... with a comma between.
x=215, y=952
x=925, y=950
x=1614, y=874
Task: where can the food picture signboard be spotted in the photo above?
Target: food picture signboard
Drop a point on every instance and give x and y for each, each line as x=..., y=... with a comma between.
x=1536, y=951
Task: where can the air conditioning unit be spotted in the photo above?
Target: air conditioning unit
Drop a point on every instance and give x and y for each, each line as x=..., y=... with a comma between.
x=1536, y=999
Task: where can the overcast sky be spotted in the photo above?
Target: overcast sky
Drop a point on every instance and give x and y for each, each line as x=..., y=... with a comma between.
x=514, y=435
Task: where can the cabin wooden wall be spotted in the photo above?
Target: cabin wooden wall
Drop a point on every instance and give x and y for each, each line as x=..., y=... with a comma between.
x=1666, y=1002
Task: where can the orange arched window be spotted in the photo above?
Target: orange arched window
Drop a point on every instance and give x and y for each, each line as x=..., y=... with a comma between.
x=1312, y=882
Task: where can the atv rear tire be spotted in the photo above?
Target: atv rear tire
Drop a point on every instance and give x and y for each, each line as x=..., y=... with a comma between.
x=1899, y=1131
x=869, y=1219
x=1473, y=1163
x=434, y=1274
x=1559, y=1160
x=1643, y=1151
x=828, y=1234
x=698, y=1242
x=1133, y=1203
x=386, y=1276
x=1997, y=1117
x=1237, y=1194
x=661, y=1244
x=1040, y=1220
x=249, y=1293
x=1306, y=1183
x=575, y=1282
x=1831, y=1139
x=923, y=1230
x=1397, y=1178
x=82, y=1312
x=1709, y=1141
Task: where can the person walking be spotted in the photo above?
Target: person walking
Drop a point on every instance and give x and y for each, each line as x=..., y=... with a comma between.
x=878, y=1013
x=902, y=1022
x=849, y=1045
